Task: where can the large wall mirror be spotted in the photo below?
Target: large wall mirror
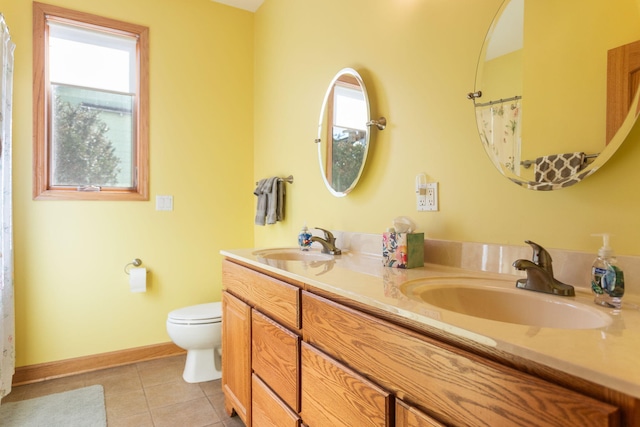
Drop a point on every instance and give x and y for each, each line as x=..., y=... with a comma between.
x=344, y=132
x=557, y=87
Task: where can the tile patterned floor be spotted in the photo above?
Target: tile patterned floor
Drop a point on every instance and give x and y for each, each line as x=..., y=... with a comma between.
x=145, y=394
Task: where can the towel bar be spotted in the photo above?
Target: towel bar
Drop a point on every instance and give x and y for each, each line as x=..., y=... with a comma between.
x=288, y=179
x=527, y=163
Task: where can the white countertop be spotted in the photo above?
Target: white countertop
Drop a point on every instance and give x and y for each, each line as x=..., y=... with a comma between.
x=609, y=356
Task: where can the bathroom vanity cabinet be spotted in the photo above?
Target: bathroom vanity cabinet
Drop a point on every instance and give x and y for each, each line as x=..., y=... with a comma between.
x=318, y=359
x=260, y=366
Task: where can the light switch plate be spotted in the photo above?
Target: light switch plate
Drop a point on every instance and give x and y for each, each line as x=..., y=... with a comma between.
x=164, y=203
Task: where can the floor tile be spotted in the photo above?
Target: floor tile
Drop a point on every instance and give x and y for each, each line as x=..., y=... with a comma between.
x=178, y=361
x=139, y=420
x=160, y=374
x=126, y=404
x=193, y=413
x=118, y=384
x=211, y=388
x=233, y=422
x=172, y=393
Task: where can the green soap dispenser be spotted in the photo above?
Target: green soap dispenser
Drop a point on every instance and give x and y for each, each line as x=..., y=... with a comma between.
x=607, y=279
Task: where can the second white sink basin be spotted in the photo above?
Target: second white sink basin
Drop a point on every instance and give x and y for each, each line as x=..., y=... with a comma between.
x=501, y=301
x=292, y=254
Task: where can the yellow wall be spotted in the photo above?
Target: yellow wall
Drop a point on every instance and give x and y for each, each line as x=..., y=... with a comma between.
x=72, y=295
x=418, y=59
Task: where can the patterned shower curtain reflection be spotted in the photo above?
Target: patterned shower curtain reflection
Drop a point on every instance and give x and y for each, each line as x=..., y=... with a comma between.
x=7, y=319
x=499, y=125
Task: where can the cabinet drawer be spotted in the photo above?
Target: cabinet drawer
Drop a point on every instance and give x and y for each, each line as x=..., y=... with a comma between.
x=278, y=299
x=268, y=410
x=335, y=396
x=408, y=416
x=458, y=388
x=275, y=354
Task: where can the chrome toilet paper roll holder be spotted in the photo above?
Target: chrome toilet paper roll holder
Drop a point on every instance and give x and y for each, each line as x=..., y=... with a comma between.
x=136, y=263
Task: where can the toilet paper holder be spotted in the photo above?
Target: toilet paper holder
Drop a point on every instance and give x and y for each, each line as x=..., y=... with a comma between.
x=136, y=263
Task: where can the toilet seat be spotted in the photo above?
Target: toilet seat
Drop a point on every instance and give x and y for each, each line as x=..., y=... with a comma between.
x=197, y=314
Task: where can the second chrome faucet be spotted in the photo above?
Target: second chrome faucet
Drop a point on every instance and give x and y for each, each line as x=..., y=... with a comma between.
x=540, y=273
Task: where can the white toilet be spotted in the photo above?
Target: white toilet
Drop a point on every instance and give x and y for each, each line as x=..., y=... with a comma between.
x=197, y=329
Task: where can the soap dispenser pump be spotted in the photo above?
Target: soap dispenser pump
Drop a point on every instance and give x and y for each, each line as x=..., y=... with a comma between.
x=607, y=279
x=304, y=238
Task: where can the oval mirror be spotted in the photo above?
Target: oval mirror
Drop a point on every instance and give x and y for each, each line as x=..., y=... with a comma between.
x=556, y=88
x=343, y=132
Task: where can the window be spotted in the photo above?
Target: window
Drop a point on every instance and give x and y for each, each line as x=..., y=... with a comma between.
x=90, y=77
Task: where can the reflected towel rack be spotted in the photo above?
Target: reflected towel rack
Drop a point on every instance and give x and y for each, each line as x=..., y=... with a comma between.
x=499, y=101
x=527, y=163
x=288, y=179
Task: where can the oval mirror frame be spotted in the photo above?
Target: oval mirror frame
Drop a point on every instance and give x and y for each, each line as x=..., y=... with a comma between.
x=626, y=123
x=343, y=139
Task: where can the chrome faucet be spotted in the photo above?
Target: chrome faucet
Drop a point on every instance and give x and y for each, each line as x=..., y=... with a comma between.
x=540, y=273
x=328, y=243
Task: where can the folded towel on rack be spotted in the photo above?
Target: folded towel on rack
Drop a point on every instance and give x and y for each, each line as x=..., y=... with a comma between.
x=261, y=208
x=271, y=197
x=280, y=205
x=558, y=166
x=272, y=201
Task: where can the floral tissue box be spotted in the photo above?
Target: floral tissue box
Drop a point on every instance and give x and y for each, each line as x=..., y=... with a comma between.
x=402, y=250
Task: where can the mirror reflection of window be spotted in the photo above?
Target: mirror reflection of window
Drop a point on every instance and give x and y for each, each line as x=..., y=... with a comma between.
x=349, y=108
x=348, y=133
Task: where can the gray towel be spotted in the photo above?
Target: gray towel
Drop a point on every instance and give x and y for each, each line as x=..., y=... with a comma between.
x=261, y=208
x=280, y=208
x=270, y=207
x=272, y=201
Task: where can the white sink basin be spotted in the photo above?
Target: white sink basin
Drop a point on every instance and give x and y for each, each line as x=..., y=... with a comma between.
x=292, y=254
x=503, y=302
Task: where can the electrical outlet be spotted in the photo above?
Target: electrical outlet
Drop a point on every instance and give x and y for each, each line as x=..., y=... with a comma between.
x=421, y=198
x=431, y=197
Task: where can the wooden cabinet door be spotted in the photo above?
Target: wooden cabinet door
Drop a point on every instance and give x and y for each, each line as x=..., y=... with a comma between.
x=335, y=396
x=236, y=357
x=267, y=410
x=275, y=353
x=408, y=416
